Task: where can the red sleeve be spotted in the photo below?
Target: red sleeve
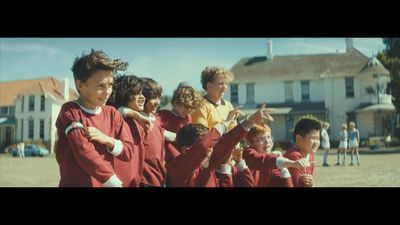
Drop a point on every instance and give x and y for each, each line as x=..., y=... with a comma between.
x=312, y=159
x=287, y=182
x=186, y=163
x=294, y=172
x=243, y=179
x=171, y=152
x=124, y=134
x=259, y=161
x=162, y=118
x=225, y=146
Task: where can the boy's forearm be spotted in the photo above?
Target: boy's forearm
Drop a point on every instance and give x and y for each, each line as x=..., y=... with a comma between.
x=109, y=142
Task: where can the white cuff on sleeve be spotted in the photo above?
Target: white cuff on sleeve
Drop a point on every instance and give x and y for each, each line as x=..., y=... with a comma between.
x=245, y=124
x=124, y=110
x=280, y=162
x=169, y=136
x=225, y=169
x=221, y=128
x=241, y=166
x=116, y=151
x=285, y=173
x=113, y=181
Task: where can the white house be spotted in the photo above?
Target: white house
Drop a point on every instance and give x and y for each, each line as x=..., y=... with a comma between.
x=32, y=108
x=336, y=87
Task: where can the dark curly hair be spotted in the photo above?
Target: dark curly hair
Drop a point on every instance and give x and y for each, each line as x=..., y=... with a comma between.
x=124, y=88
x=186, y=96
x=188, y=134
x=84, y=66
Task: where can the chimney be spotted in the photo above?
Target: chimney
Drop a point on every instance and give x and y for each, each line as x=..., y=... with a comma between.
x=269, y=50
x=65, y=89
x=349, y=44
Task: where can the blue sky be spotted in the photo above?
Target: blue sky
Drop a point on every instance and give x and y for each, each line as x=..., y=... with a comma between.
x=167, y=60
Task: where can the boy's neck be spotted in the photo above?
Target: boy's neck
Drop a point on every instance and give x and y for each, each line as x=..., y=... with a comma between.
x=87, y=109
x=302, y=152
x=215, y=100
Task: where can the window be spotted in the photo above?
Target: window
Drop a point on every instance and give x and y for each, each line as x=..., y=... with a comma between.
x=41, y=132
x=31, y=103
x=22, y=103
x=22, y=129
x=250, y=93
x=349, y=87
x=30, y=129
x=234, y=94
x=42, y=103
x=305, y=90
x=289, y=91
x=4, y=110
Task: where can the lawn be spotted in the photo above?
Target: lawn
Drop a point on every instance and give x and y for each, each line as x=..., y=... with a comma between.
x=378, y=170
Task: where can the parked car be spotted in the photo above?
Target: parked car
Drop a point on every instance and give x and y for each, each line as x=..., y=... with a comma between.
x=32, y=150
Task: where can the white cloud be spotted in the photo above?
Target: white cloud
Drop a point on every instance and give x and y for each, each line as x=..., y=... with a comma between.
x=12, y=47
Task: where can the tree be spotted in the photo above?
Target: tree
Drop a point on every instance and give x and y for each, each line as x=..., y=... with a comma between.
x=392, y=46
x=390, y=58
x=164, y=100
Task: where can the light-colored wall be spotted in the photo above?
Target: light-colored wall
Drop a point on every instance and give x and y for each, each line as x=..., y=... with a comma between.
x=278, y=127
x=35, y=115
x=365, y=124
x=317, y=90
x=274, y=92
x=52, y=109
x=338, y=104
x=330, y=90
x=55, y=110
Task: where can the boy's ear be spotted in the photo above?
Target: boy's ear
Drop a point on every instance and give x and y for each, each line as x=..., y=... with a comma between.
x=299, y=138
x=78, y=84
x=208, y=86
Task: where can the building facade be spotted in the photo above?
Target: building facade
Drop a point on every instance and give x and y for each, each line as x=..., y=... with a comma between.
x=337, y=88
x=30, y=109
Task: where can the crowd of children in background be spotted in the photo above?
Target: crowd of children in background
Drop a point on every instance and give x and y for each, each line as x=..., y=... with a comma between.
x=114, y=136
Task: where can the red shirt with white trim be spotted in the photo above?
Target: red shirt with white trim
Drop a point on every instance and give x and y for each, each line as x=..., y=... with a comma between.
x=294, y=154
x=85, y=163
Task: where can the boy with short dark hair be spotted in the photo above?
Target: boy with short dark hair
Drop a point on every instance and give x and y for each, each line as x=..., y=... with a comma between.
x=306, y=139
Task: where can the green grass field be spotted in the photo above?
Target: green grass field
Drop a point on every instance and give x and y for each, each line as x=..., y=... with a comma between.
x=379, y=170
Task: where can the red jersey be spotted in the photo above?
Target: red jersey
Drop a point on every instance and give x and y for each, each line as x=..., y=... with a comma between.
x=134, y=168
x=154, y=171
x=186, y=170
x=236, y=178
x=294, y=154
x=85, y=163
x=172, y=122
